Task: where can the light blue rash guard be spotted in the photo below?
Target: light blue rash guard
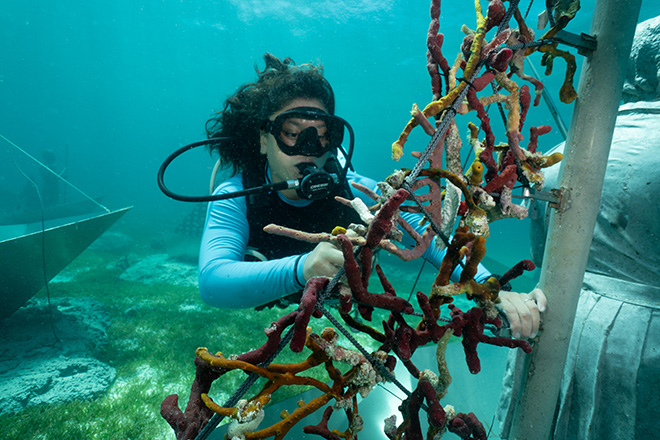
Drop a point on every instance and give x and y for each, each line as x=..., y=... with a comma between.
x=227, y=281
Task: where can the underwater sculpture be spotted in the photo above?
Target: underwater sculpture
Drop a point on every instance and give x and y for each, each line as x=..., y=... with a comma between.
x=474, y=198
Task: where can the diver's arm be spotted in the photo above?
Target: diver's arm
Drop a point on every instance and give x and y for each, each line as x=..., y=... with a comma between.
x=225, y=280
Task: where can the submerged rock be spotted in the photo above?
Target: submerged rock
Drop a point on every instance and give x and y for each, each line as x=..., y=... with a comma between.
x=112, y=240
x=161, y=268
x=58, y=380
x=36, y=367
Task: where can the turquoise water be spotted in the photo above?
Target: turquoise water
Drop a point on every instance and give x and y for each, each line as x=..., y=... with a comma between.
x=113, y=87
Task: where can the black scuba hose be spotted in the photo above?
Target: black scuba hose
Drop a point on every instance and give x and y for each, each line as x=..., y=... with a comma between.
x=161, y=179
x=268, y=188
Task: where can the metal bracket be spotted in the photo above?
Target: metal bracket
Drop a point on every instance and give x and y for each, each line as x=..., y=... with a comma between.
x=563, y=199
x=584, y=43
x=555, y=198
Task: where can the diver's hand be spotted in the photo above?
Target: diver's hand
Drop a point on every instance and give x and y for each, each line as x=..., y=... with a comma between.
x=324, y=261
x=523, y=310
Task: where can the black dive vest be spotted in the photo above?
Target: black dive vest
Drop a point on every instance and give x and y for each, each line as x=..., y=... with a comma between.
x=320, y=216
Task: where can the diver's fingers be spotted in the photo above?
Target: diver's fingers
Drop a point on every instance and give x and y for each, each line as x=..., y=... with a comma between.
x=534, y=315
x=524, y=307
x=334, y=256
x=533, y=304
x=540, y=299
x=508, y=306
x=522, y=312
x=325, y=260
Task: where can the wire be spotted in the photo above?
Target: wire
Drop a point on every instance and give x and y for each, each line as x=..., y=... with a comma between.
x=52, y=172
x=419, y=274
x=43, y=247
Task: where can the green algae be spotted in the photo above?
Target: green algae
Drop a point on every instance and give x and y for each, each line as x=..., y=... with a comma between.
x=154, y=332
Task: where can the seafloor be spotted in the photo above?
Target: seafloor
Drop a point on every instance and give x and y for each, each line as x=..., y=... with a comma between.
x=120, y=335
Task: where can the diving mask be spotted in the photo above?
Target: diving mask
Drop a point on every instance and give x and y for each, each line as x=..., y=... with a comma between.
x=307, y=131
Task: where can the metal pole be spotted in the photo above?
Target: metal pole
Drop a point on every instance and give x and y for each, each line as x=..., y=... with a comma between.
x=571, y=228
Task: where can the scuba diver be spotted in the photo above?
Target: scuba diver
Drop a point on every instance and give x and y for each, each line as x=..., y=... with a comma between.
x=280, y=132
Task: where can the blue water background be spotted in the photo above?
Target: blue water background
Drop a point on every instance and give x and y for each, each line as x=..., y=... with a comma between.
x=114, y=87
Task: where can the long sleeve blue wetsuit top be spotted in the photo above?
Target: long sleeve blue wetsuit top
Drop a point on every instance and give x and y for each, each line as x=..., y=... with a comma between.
x=226, y=280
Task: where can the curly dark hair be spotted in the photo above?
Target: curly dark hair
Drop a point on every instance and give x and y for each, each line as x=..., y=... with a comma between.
x=245, y=111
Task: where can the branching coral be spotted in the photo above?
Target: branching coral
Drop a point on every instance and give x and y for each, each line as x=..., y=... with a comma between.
x=457, y=206
x=515, y=164
x=398, y=337
x=247, y=414
x=187, y=424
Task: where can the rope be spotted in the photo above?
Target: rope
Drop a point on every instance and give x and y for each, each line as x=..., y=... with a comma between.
x=437, y=137
x=242, y=389
x=377, y=365
x=252, y=377
x=529, y=8
x=530, y=44
x=513, y=5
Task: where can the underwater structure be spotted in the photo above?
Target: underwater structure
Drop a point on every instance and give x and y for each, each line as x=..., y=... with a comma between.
x=27, y=241
x=22, y=254
x=570, y=231
x=459, y=204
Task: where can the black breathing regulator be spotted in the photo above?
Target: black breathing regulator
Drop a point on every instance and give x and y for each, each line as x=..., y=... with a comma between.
x=315, y=183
